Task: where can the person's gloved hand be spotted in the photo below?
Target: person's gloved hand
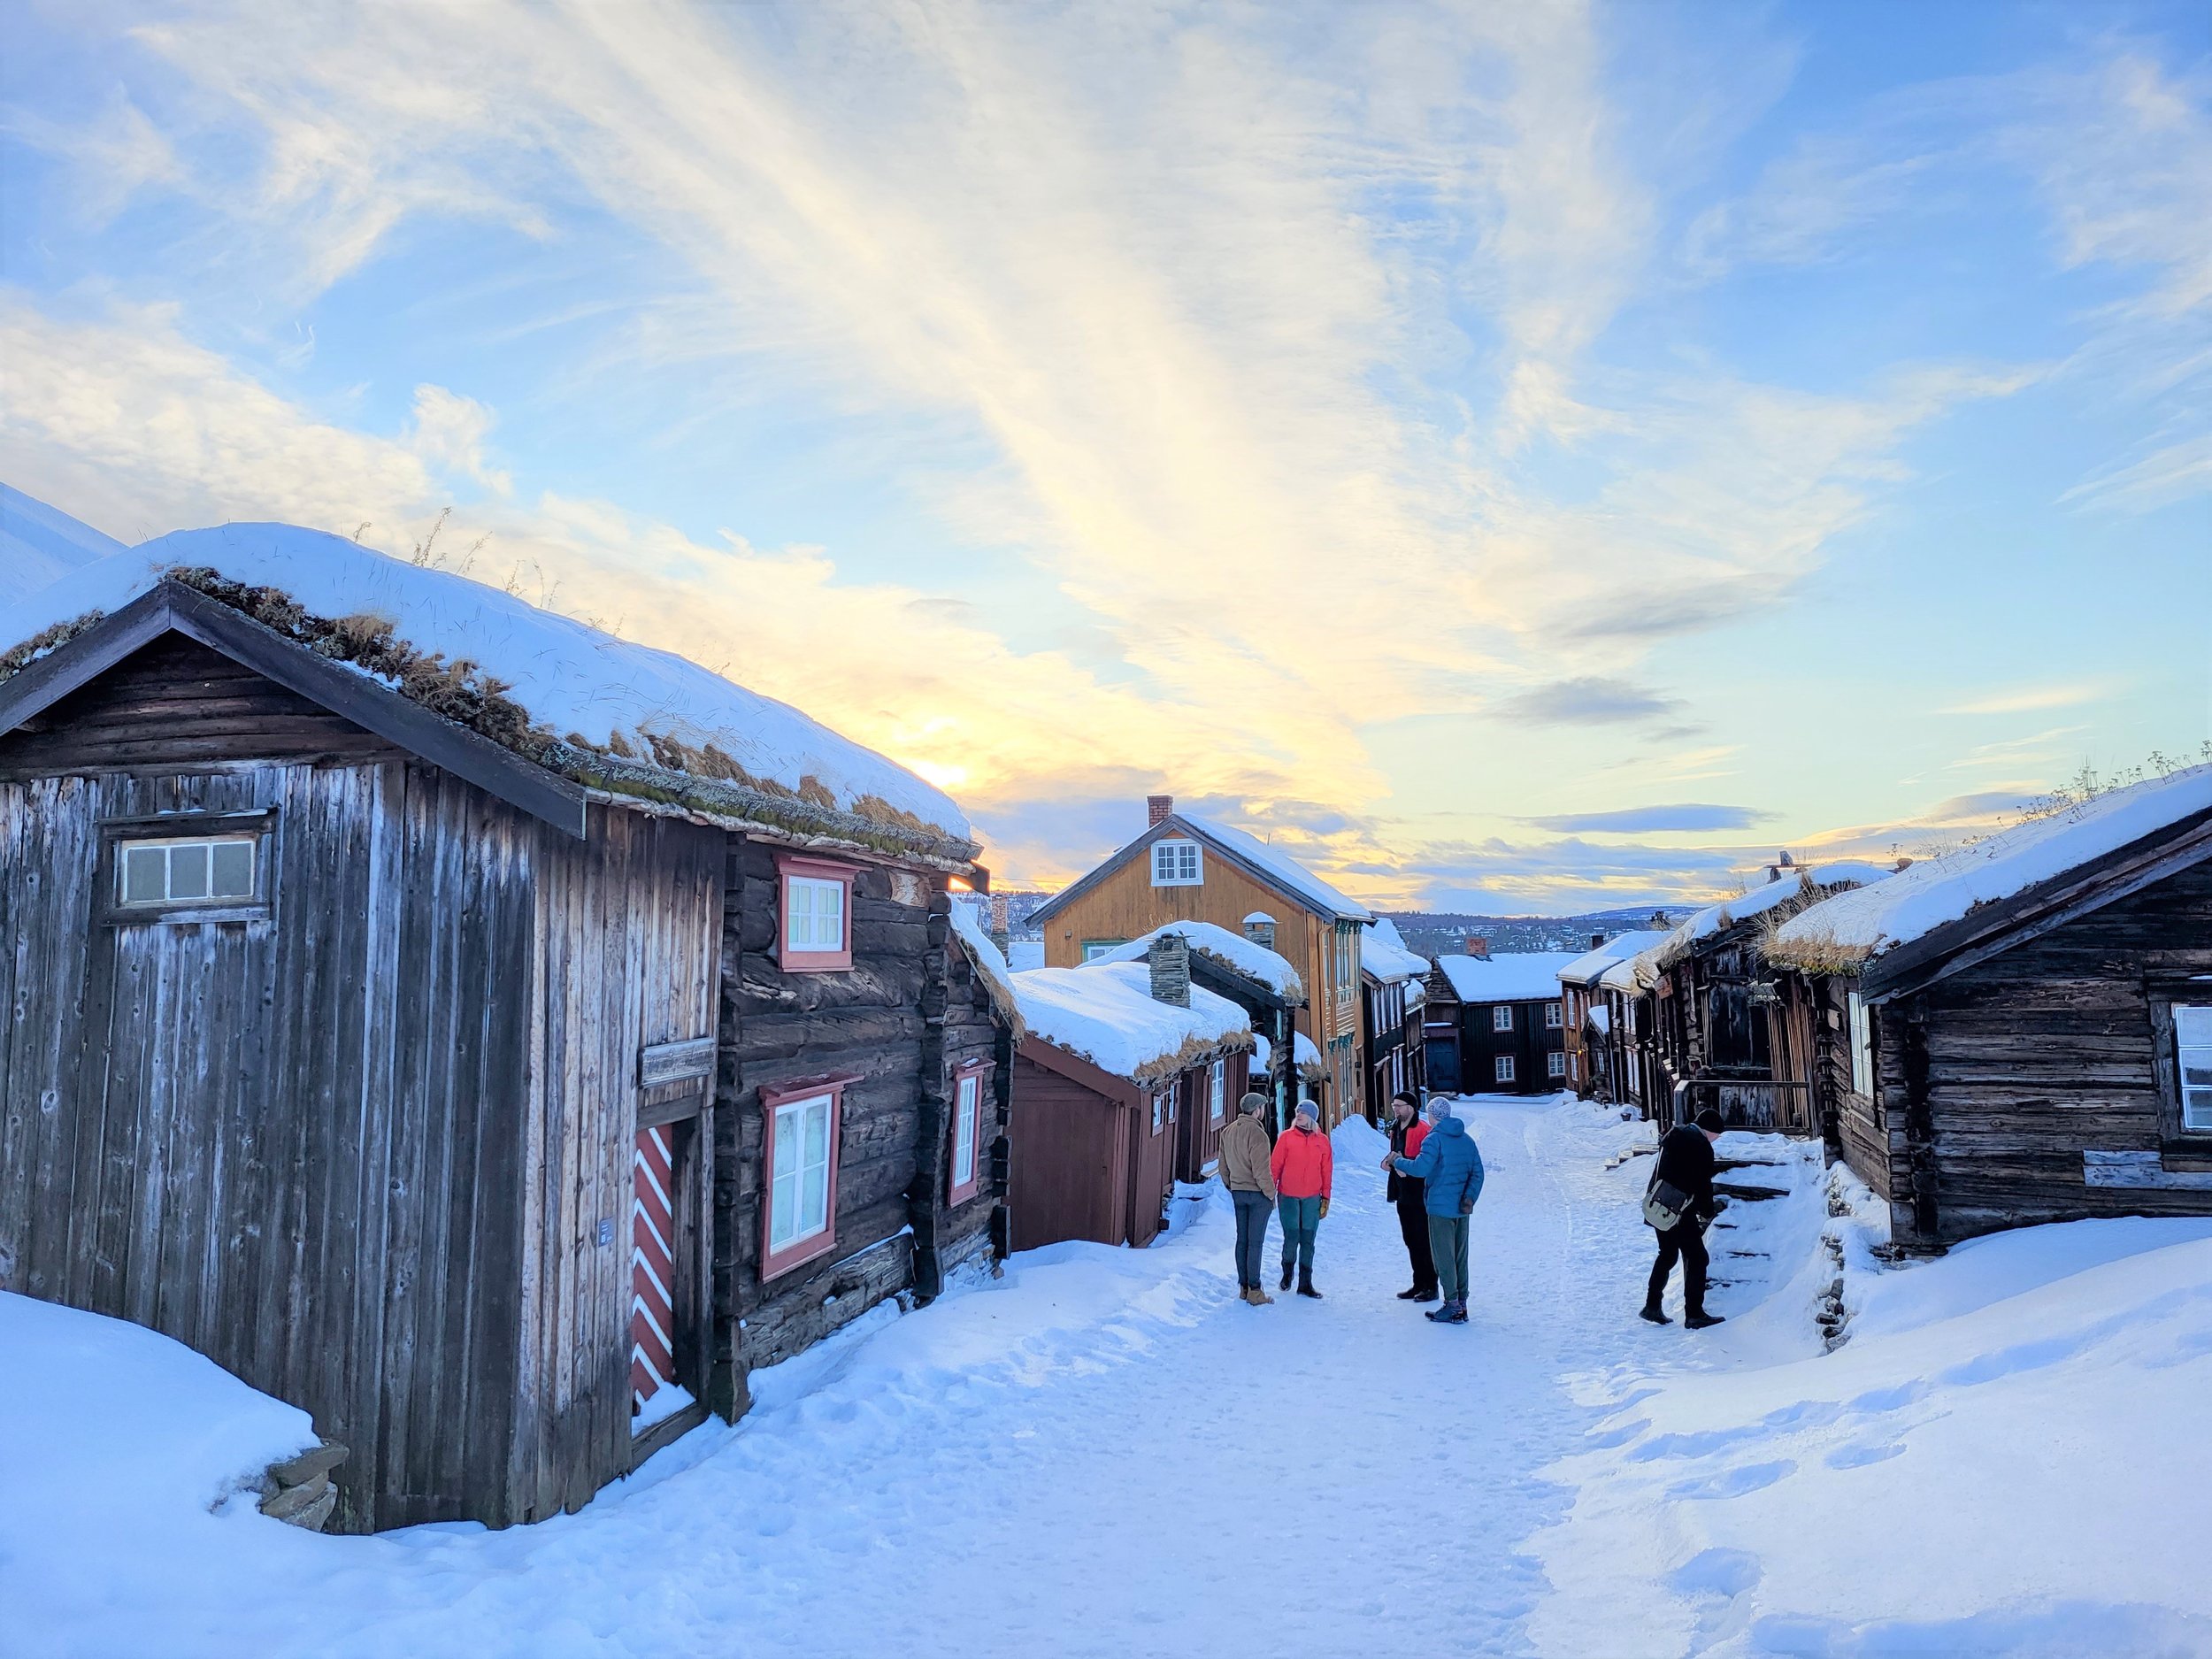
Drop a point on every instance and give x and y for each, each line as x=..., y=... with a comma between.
x=1325, y=1209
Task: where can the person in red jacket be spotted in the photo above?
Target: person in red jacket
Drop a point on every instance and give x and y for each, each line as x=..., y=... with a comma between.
x=1305, y=1168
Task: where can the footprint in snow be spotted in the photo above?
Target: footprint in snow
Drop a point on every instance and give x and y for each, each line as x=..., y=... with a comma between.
x=1859, y=1456
x=1734, y=1483
x=1724, y=1572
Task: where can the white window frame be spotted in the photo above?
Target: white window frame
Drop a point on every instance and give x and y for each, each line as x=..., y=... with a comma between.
x=966, y=1128
x=811, y=942
x=142, y=848
x=1217, y=1092
x=2193, y=1047
x=1555, y=1016
x=795, y=1179
x=1861, y=1039
x=1502, y=1016
x=1555, y=1063
x=1183, y=859
x=1093, y=948
x=1503, y=1071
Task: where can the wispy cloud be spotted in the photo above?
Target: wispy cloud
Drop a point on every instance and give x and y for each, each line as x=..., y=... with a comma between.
x=1591, y=700
x=2030, y=699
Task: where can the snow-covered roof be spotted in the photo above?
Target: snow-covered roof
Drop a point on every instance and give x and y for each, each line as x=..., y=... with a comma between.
x=1282, y=870
x=587, y=688
x=40, y=544
x=972, y=926
x=1108, y=1016
x=1301, y=1048
x=1585, y=969
x=1023, y=954
x=1526, y=976
x=1861, y=925
x=1383, y=953
x=1802, y=885
x=1232, y=951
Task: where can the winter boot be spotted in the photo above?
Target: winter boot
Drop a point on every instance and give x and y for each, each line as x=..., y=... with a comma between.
x=1259, y=1298
x=1427, y=1292
x=1285, y=1284
x=1454, y=1312
x=1410, y=1295
x=1305, y=1287
x=1653, y=1312
x=1701, y=1320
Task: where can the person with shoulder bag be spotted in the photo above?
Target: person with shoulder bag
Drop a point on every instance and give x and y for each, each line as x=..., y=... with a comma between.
x=1679, y=1206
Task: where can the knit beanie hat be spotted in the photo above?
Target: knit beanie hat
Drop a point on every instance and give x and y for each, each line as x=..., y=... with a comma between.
x=1710, y=1121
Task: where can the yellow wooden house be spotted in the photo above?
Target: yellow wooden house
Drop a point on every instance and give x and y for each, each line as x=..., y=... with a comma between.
x=1186, y=868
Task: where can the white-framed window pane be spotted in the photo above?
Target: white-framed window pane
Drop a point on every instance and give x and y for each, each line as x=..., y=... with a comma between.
x=963, y=1133
x=799, y=1196
x=1501, y=1017
x=1175, y=864
x=1556, y=1064
x=1505, y=1068
x=231, y=870
x=1217, y=1092
x=145, y=875
x=1861, y=1048
x=816, y=910
x=2192, y=1042
x=1553, y=1016
x=188, y=872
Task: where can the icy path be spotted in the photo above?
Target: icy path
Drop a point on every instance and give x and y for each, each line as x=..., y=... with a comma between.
x=1105, y=1455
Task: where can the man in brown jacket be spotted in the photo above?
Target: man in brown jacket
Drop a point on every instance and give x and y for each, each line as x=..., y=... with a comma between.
x=1251, y=1189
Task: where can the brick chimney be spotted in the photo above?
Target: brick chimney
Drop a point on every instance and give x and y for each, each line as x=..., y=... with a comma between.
x=1002, y=928
x=1477, y=946
x=1259, y=927
x=1157, y=807
x=1168, y=959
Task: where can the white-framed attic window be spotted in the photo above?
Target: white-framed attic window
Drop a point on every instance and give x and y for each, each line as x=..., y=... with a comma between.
x=2193, y=1061
x=1178, y=863
x=1502, y=1016
x=157, y=873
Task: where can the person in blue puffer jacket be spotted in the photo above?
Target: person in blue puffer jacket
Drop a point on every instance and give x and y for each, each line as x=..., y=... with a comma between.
x=1450, y=1169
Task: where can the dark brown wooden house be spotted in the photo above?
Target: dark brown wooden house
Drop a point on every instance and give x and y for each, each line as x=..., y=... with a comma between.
x=2021, y=1031
x=1393, y=992
x=497, y=1058
x=1117, y=1074
x=1496, y=1024
x=1592, y=1070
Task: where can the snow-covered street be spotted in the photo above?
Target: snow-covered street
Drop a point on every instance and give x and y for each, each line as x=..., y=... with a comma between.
x=1107, y=1454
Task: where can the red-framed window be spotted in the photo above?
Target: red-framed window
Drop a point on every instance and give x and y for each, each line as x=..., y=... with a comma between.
x=971, y=1087
x=814, y=915
x=798, y=1178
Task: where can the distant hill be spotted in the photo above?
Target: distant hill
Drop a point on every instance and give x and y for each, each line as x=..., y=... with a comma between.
x=39, y=544
x=1443, y=933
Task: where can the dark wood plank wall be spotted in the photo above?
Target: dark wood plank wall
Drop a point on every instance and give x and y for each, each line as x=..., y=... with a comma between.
x=2018, y=1065
x=177, y=703
x=630, y=923
x=867, y=1021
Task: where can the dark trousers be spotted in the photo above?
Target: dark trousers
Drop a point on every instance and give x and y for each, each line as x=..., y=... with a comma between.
x=1252, y=1211
x=1301, y=1222
x=1687, y=1241
x=1447, y=1249
x=1413, y=1222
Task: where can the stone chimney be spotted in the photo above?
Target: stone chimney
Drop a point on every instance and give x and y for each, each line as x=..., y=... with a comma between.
x=1782, y=866
x=1259, y=927
x=1002, y=928
x=1597, y=941
x=1477, y=946
x=1168, y=959
x=1157, y=807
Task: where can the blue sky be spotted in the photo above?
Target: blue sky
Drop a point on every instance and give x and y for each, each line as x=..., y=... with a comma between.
x=1517, y=458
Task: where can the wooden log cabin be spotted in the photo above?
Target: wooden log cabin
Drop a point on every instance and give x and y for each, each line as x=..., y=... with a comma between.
x=1118, y=1066
x=1187, y=868
x=2021, y=1030
x=1593, y=1071
x=1242, y=971
x=1718, y=1020
x=1393, y=994
x=496, y=1058
x=1497, y=1022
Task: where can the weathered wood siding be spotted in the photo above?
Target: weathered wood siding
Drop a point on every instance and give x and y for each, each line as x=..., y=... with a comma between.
x=1996, y=1080
x=969, y=1029
x=357, y=1151
x=1071, y=1171
x=867, y=1021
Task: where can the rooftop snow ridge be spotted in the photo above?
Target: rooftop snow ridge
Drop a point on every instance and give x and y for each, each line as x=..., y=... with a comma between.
x=1514, y=977
x=1857, y=926
x=1233, y=951
x=1107, y=1014
x=636, y=724
x=1385, y=954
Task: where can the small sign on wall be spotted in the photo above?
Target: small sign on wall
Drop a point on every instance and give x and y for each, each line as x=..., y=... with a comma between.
x=665, y=1063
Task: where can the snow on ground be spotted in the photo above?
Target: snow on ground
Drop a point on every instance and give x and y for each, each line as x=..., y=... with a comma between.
x=39, y=544
x=1105, y=1454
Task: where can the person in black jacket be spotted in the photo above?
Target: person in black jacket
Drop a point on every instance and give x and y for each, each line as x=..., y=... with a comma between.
x=1687, y=1163
x=1409, y=1193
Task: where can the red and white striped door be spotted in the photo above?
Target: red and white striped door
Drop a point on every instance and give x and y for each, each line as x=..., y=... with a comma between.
x=652, y=1271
